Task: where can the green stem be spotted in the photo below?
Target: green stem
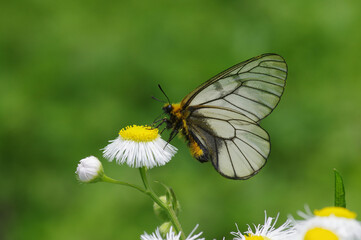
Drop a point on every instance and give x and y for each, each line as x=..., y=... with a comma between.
x=143, y=174
x=156, y=199
x=111, y=180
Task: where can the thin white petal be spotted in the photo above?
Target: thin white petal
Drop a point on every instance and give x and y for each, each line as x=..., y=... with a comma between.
x=139, y=154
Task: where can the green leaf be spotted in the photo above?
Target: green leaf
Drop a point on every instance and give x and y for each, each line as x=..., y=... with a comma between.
x=174, y=200
x=340, y=200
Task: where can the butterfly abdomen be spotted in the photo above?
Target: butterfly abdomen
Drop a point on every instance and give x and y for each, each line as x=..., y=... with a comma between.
x=197, y=150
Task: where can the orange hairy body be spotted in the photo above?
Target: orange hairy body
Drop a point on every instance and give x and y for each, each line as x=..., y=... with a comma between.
x=178, y=120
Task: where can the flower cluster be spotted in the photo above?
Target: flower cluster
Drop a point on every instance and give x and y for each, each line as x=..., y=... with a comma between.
x=137, y=146
x=330, y=223
x=142, y=147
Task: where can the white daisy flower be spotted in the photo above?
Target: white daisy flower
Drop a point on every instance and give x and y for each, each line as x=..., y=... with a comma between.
x=170, y=235
x=139, y=146
x=330, y=223
x=89, y=170
x=267, y=231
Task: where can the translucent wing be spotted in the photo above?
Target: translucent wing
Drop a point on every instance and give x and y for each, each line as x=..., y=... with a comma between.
x=237, y=146
x=253, y=87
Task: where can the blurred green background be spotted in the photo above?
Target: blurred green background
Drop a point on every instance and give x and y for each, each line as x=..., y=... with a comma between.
x=72, y=73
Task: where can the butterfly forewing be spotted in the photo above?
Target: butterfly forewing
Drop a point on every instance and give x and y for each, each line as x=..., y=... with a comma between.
x=253, y=87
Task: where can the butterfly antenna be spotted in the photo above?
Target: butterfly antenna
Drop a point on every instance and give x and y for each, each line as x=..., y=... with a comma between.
x=163, y=93
x=157, y=99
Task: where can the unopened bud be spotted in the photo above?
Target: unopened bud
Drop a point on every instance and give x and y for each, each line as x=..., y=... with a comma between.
x=89, y=170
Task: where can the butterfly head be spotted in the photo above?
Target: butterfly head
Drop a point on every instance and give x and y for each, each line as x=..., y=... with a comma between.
x=176, y=118
x=167, y=108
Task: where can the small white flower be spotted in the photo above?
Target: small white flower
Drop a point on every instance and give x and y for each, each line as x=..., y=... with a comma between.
x=170, y=235
x=267, y=231
x=330, y=223
x=89, y=169
x=139, y=146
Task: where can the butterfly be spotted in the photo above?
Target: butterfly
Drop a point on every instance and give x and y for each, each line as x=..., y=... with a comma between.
x=220, y=118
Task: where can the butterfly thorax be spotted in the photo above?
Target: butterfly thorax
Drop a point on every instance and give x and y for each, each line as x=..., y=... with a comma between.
x=178, y=122
x=177, y=116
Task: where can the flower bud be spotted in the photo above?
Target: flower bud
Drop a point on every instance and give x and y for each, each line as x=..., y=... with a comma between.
x=159, y=211
x=89, y=170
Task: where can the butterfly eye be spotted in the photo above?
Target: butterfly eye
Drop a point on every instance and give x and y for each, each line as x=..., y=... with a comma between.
x=168, y=108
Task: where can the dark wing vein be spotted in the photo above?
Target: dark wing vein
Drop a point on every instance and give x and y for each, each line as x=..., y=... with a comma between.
x=230, y=158
x=253, y=101
x=278, y=69
x=243, y=109
x=261, y=90
x=258, y=80
x=243, y=130
x=243, y=155
x=265, y=158
x=266, y=75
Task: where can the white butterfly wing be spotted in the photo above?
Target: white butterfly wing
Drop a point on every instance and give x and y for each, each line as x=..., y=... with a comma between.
x=253, y=87
x=225, y=111
x=237, y=146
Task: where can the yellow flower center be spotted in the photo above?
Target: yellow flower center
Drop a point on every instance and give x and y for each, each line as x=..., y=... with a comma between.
x=139, y=133
x=320, y=234
x=253, y=237
x=337, y=211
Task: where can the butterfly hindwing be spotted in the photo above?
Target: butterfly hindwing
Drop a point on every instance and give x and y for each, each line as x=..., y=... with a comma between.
x=237, y=147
